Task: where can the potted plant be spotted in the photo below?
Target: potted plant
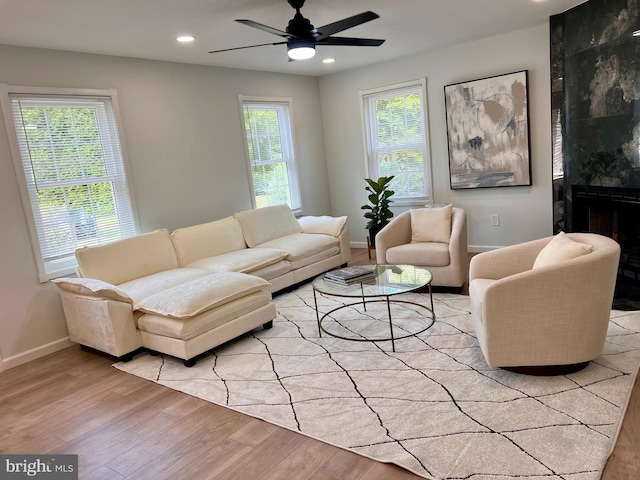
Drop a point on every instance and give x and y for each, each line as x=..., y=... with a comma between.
x=378, y=213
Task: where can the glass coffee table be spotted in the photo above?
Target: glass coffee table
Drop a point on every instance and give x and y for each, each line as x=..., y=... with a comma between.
x=388, y=282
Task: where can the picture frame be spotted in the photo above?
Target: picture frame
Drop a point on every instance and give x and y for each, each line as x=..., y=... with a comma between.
x=488, y=132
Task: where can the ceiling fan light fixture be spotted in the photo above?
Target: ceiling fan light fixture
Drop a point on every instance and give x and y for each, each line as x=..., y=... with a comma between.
x=301, y=37
x=301, y=49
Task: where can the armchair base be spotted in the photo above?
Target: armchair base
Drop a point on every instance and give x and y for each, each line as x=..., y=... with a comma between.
x=548, y=370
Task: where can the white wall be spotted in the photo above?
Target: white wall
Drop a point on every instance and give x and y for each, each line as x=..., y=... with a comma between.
x=182, y=134
x=525, y=212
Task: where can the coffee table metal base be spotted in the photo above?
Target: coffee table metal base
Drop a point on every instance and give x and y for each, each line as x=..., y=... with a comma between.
x=386, y=299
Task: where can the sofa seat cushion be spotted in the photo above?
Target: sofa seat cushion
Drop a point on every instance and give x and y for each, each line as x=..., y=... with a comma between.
x=207, y=240
x=241, y=261
x=303, y=246
x=429, y=254
x=187, y=328
x=202, y=294
x=144, y=287
x=272, y=271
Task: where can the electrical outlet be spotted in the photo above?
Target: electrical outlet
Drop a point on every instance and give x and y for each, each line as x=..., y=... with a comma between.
x=495, y=219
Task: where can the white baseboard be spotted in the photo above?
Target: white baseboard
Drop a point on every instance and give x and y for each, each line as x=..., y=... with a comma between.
x=35, y=353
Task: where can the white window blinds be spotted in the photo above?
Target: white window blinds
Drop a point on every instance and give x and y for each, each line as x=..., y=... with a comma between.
x=270, y=152
x=397, y=139
x=74, y=174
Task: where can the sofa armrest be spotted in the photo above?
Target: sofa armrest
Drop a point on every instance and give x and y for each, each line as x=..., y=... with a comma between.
x=345, y=245
x=90, y=287
x=104, y=324
x=506, y=261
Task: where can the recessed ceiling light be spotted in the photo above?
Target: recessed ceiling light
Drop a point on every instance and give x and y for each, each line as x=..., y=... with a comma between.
x=329, y=60
x=636, y=33
x=185, y=38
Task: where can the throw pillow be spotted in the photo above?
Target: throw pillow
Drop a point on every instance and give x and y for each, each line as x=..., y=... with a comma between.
x=560, y=248
x=323, y=224
x=431, y=224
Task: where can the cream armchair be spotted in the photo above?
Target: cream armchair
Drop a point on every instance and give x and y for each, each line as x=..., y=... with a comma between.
x=533, y=309
x=447, y=261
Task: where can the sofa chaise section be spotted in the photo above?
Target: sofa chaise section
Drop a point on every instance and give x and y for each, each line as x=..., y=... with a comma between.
x=132, y=293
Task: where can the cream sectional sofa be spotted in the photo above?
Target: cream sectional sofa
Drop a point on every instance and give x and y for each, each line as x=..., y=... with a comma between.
x=187, y=292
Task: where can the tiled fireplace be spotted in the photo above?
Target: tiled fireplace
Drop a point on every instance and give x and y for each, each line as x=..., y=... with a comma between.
x=595, y=105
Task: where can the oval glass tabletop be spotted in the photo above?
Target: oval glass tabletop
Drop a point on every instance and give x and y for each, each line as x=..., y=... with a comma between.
x=387, y=280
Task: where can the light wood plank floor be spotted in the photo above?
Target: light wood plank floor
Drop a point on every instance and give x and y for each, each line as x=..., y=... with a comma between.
x=123, y=427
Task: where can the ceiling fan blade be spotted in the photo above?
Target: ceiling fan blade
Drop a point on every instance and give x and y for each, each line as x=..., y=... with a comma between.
x=248, y=46
x=351, y=42
x=345, y=23
x=265, y=28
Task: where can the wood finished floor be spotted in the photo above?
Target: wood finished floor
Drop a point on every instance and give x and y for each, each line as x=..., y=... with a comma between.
x=123, y=427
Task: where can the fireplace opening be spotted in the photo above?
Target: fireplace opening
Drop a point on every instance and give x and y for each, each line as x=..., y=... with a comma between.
x=614, y=212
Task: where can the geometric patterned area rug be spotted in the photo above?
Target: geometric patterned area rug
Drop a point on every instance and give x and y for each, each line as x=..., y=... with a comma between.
x=433, y=407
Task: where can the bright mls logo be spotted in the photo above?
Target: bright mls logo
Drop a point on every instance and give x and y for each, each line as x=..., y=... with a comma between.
x=50, y=467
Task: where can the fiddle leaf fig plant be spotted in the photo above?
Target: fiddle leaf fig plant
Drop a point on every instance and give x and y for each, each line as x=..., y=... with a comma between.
x=378, y=212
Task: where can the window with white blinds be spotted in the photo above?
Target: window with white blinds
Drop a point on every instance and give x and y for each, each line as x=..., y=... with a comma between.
x=70, y=165
x=270, y=152
x=396, y=136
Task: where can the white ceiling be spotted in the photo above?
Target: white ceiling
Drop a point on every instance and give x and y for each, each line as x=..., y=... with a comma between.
x=147, y=28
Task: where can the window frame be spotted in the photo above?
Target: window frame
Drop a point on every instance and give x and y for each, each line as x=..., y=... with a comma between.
x=67, y=266
x=371, y=167
x=293, y=171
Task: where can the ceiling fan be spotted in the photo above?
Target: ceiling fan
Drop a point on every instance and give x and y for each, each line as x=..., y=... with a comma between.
x=302, y=37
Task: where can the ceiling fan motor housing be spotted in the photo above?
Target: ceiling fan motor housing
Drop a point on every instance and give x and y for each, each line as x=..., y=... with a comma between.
x=300, y=26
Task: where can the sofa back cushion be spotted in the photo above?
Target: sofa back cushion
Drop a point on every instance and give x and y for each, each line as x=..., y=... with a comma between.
x=207, y=240
x=268, y=223
x=127, y=259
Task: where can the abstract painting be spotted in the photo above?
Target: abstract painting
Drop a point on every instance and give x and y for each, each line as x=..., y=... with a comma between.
x=488, y=132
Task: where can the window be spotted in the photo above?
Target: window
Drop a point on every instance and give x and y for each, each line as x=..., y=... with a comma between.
x=269, y=150
x=70, y=170
x=396, y=136
x=556, y=139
